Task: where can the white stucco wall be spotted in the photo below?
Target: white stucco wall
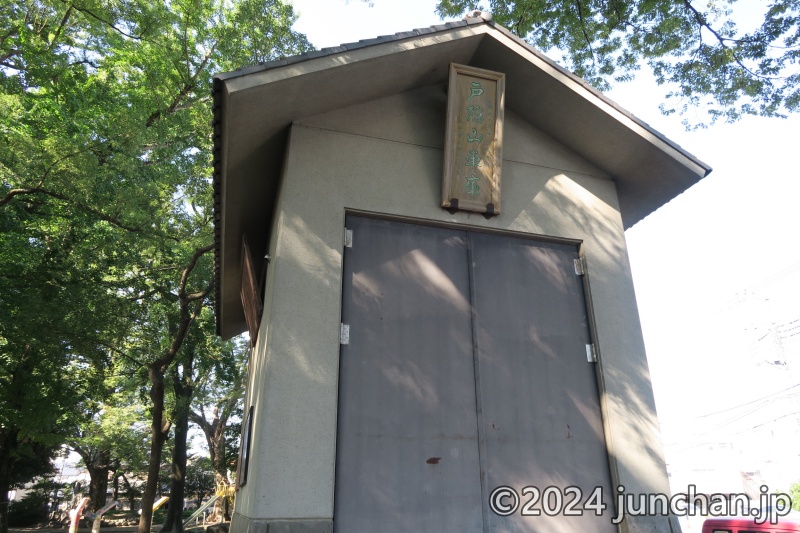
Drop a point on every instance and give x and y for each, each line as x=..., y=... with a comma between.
x=385, y=157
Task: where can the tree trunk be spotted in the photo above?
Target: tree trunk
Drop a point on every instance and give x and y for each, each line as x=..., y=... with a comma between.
x=131, y=493
x=218, y=455
x=183, y=397
x=174, y=519
x=8, y=440
x=115, y=487
x=190, y=307
x=98, y=486
x=97, y=464
x=220, y=472
x=159, y=430
x=214, y=432
x=220, y=510
x=5, y=486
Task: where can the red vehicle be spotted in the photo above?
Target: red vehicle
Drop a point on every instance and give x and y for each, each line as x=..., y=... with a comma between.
x=741, y=524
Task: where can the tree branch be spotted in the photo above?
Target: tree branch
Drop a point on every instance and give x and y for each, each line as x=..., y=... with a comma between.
x=15, y=192
x=583, y=27
x=9, y=55
x=701, y=20
x=188, y=86
x=107, y=23
x=205, y=427
x=198, y=295
x=38, y=188
x=186, y=317
x=114, y=221
x=61, y=27
x=198, y=253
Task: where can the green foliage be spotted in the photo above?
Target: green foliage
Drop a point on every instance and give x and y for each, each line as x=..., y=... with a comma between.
x=106, y=204
x=696, y=47
x=794, y=494
x=31, y=509
x=111, y=438
x=31, y=461
x=199, y=477
x=219, y=394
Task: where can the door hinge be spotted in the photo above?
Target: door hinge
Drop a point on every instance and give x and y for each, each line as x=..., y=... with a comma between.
x=580, y=266
x=348, y=238
x=591, y=353
x=344, y=334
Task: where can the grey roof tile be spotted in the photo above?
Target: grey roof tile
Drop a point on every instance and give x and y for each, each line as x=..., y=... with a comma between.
x=354, y=46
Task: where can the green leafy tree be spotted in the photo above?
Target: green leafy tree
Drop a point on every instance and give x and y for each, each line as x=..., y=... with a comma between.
x=217, y=409
x=218, y=406
x=30, y=510
x=697, y=48
x=199, y=478
x=76, y=199
x=110, y=439
x=105, y=200
x=55, y=317
x=794, y=494
x=208, y=376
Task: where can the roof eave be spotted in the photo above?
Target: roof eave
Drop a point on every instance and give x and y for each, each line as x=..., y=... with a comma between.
x=649, y=168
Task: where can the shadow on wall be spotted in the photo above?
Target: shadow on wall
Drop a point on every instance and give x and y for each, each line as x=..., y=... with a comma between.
x=316, y=279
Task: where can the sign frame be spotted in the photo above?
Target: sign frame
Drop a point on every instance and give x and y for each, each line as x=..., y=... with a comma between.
x=250, y=293
x=463, y=154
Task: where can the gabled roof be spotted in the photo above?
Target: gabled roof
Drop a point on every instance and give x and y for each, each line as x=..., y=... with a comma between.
x=254, y=106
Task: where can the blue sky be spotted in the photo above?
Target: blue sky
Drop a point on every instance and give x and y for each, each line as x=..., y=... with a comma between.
x=717, y=270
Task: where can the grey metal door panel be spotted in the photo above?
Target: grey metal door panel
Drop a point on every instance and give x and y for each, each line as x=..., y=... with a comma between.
x=540, y=415
x=407, y=453
x=466, y=369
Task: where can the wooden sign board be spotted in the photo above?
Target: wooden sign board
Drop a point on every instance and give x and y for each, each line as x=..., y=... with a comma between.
x=250, y=293
x=244, y=449
x=473, y=151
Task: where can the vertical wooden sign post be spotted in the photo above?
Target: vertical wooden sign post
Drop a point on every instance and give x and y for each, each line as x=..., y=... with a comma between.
x=473, y=151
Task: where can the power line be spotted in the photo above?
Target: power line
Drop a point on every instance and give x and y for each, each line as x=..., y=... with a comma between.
x=750, y=402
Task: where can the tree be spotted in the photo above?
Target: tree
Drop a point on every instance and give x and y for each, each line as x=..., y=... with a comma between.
x=794, y=494
x=696, y=48
x=199, y=478
x=24, y=462
x=190, y=304
x=183, y=391
x=109, y=439
x=218, y=409
x=72, y=208
x=53, y=327
x=105, y=196
x=208, y=371
x=32, y=508
x=219, y=404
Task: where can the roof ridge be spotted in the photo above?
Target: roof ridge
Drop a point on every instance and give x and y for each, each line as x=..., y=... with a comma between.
x=483, y=18
x=474, y=18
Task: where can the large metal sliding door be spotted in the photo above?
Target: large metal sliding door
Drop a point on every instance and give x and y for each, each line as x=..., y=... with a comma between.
x=465, y=370
x=540, y=413
x=407, y=453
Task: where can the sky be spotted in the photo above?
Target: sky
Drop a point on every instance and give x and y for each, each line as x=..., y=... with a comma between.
x=716, y=270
